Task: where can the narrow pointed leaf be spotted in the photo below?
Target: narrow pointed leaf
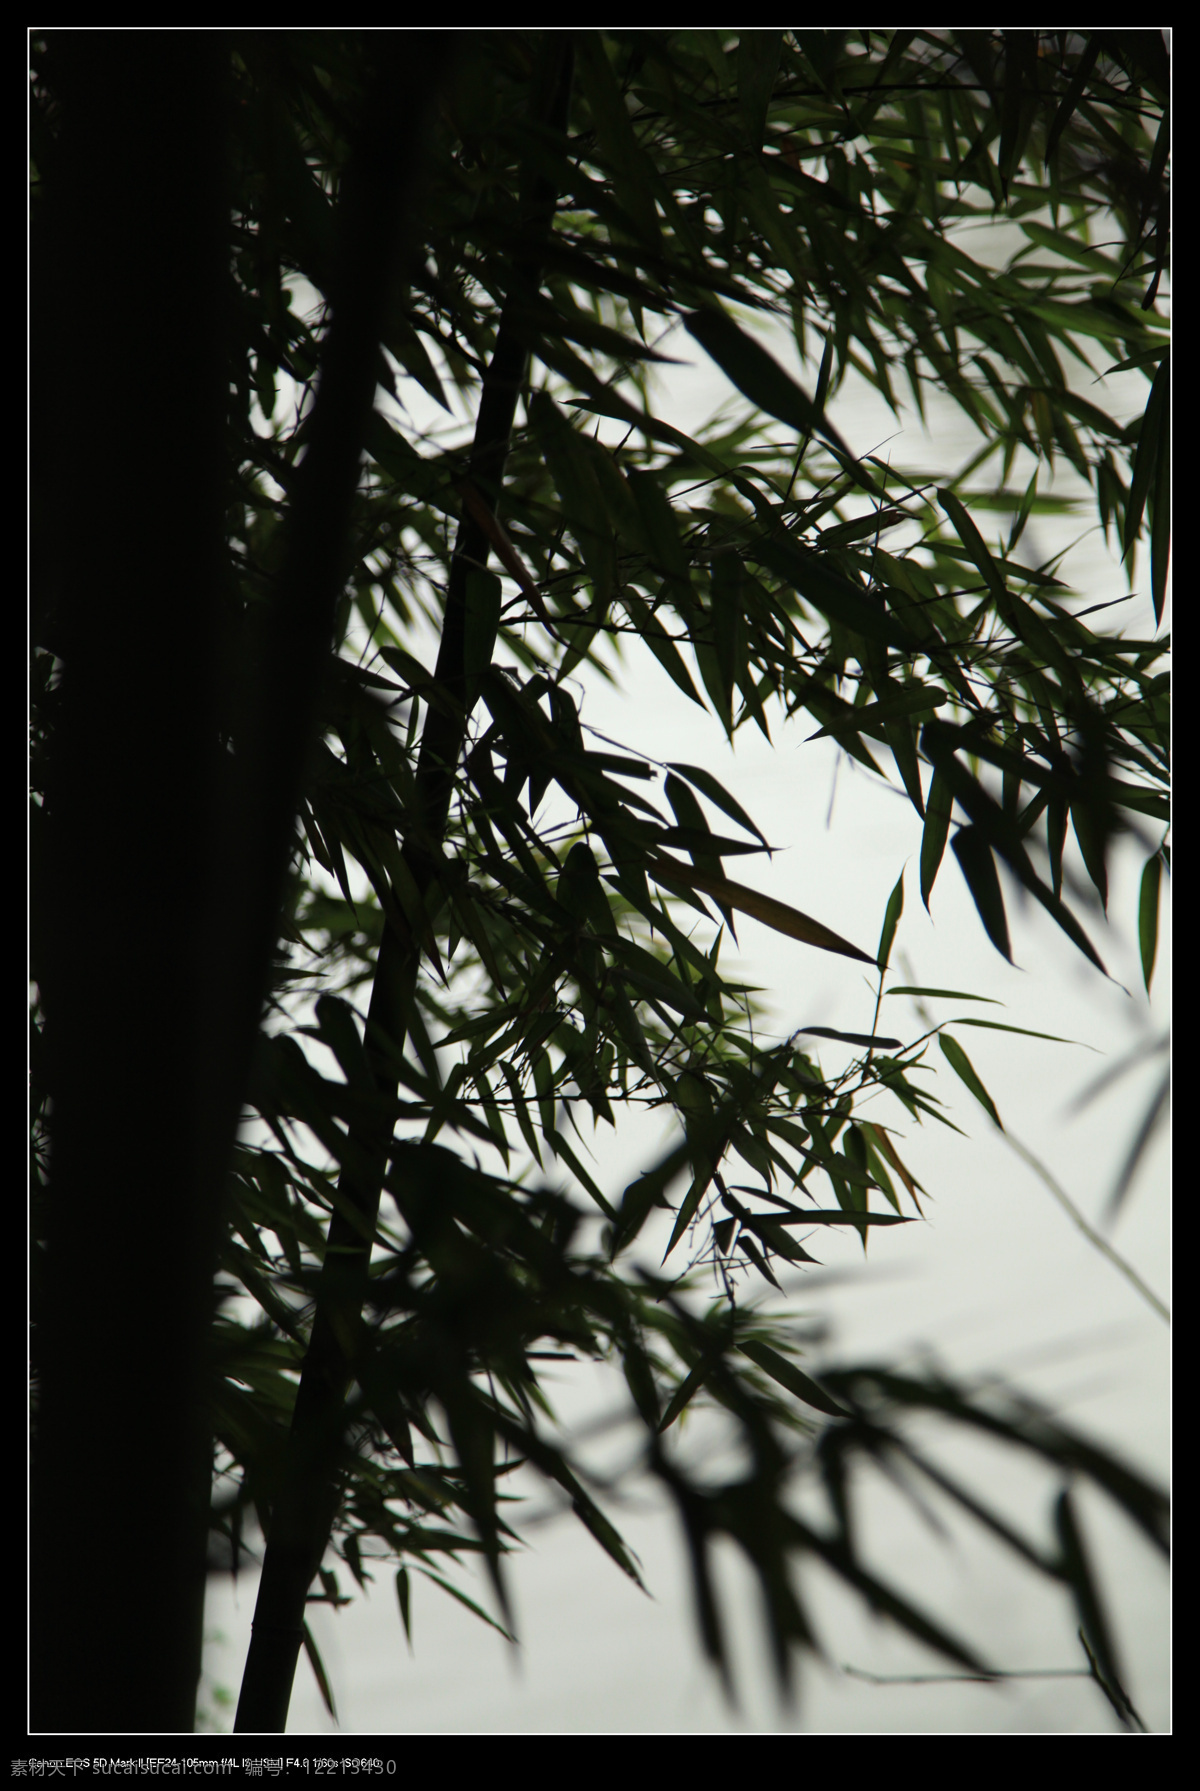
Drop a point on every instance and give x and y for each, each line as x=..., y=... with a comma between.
x=1000, y=1026
x=891, y=920
x=470, y=1603
x=708, y=786
x=759, y=377
x=938, y=807
x=1155, y=423
x=753, y=1254
x=829, y=1216
x=766, y=909
x=872, y=716
x=951, y=994
x=404, y=1598
x=647, y=1191
x=318, y=1667
x=979, y=870
x=1148, y=916
x=685, y=1392
x=873, y=1040
x=791, y=1377
x=963, y=1068
x=1078, y=1573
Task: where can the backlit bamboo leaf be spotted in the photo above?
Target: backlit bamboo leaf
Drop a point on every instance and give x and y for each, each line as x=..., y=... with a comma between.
x=1079, y=1575
x=759, y=377
x=593, y=1519
x=766, y=909
x=408, y=348
x=1072, y=96
x=891, y=920
x=660, y=525
x=757, y=67
x=649, y=1190
x=952, y=994
x=999, y=1026
x=791, y=1377
x=961, y=1064
x=660, y=643
x=562, y=1149
x=777, y=1238
x=872, y=716
x=831, y=592
x=403, y=1595
x=521, y=1109
x=882, y=1139
x=470, y=1603
x=1090, y=841
x=707, y=784
x=690, y=1204
x=1148, y=916
x=938, y=807
x=318, y=1667
x=1160, y=518
x=684, y=1393
x=634, y=176
x=979, y=871
x=1153, y=433
x=753, y=1254
x=857, y=1218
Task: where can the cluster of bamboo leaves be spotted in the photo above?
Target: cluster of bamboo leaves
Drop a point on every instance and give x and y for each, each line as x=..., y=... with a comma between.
x=710, y=189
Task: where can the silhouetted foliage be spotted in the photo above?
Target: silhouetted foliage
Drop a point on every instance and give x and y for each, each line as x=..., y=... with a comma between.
x=263, y=261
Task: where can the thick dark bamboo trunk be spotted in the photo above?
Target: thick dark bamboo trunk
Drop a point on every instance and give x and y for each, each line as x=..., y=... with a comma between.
x=129, y=295
x=307, y=1503
x=151, y=834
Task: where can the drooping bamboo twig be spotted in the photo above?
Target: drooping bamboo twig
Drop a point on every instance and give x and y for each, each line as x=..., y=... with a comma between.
x=306, y=1504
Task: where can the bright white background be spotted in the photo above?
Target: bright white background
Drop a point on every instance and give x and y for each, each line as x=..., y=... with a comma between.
x=997, y=1280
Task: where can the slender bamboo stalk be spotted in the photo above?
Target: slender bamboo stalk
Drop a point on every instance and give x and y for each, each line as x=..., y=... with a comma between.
x=306, y=1506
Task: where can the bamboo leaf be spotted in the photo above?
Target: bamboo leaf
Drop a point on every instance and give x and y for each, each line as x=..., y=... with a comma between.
x=759, y=377
x=476, y=1609
x=858, y=1219
x=791, y=1377
x=938, y=807
x=951, y=994
x=685, y=1393
x=961, y=1064
x=772, y=913
x=1160, y=503
x=757, y=66
x=873, y=1040
x=753, y=1254
x=648, y=1191
x=1152, y=436
x=708, y=786
x=1078, y=1573
x=404, y=1598
x=891, y=920
x=979, y=871
x=832, y=593
x=872, y=716
x=318, y=1667
x=660, y=644
x=999, y=1026
x=1148, y=915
